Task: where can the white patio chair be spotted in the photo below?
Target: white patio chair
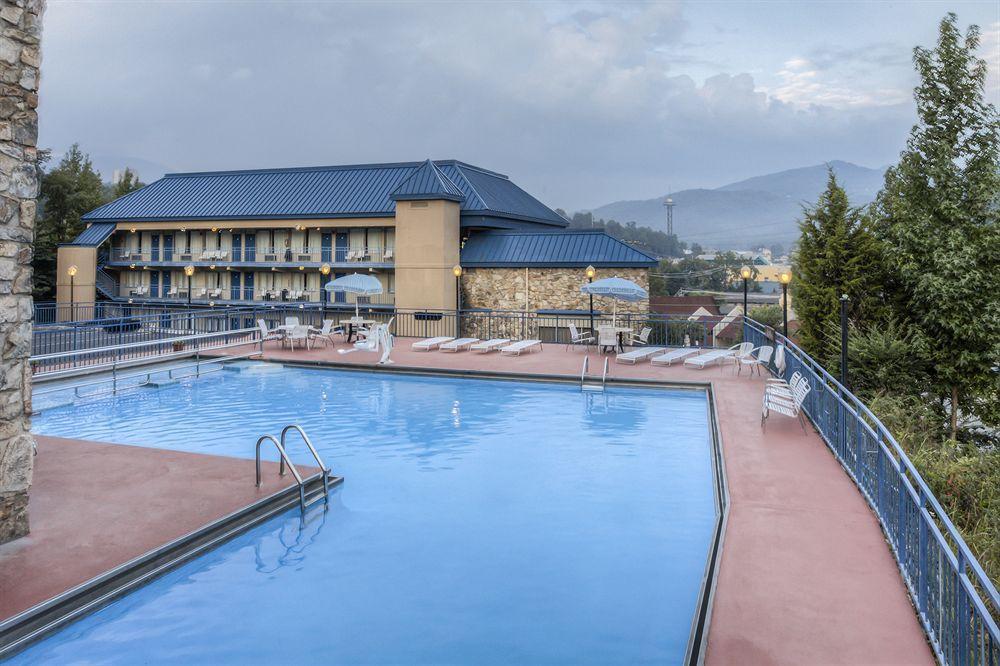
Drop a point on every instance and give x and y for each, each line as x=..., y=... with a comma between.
x=607, y=337
x=578, y=338
x=291, y=321
x=763, y=358
x=267, y=334
x=782, y=405
x=298, y=334
x=642, y=338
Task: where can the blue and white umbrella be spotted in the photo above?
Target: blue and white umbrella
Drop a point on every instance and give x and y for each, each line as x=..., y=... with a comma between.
x=617, y=288
x=358, y=284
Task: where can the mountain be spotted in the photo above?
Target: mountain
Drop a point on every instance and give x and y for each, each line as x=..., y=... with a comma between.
x=759, y=210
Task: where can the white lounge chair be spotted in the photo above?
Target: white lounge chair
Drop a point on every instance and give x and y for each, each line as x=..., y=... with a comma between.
x=638, y=354
x=708, y=358
x=675, y=355
x=430, y=344
x=763, y=358
x=781, y=388
x=267, y=334
x=521, y=346
x=577, y=338
x=492, y=344
x=782, y=405
x=458, y=345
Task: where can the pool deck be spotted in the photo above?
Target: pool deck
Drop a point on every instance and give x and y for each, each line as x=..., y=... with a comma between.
x=806, y=576
x=95, y=506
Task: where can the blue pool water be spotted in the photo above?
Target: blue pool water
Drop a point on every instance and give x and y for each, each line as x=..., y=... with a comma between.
x=480, y=521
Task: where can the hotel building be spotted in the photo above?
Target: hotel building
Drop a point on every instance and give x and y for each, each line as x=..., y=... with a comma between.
x=278, y=235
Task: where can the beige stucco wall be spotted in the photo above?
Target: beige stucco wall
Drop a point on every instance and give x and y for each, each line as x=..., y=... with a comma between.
x=84, y=291
x=529, y=289
x=427, y=248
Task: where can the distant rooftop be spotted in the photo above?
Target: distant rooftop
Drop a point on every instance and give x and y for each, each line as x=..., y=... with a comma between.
x=575, y=248
x=358, y=190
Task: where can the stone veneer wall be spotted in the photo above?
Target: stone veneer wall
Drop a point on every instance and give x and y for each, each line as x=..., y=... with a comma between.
x=544, y=289
x=20, y=32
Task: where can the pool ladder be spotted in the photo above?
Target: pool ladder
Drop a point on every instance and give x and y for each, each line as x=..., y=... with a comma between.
x=305, y=501
x=592, y=386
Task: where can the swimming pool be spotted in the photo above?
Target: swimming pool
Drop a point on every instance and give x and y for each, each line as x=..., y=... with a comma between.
x=482, y=521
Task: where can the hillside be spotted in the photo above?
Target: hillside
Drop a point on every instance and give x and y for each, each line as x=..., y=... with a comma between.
x=758, y=210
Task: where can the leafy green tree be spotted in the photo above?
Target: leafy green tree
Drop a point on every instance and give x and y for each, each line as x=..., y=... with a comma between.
x=692, y=273
x=67, y=192
x=837, y=254
x=938, y=218
x=644, y=238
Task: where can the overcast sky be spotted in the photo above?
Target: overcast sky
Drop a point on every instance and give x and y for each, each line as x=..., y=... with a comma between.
x=580, y=103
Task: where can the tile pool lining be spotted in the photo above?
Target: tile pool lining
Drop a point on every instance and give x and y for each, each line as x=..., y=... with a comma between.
x=36, y=623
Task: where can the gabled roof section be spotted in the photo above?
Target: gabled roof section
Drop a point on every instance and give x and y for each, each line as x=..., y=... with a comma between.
x=427, y=182
x=94, y=235
x=501, y=249
x=358, y=190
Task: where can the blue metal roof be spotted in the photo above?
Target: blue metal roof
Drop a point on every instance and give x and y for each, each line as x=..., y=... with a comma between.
x=94, y=235
x=494, y=249
x=427, y=182
x=361, y=190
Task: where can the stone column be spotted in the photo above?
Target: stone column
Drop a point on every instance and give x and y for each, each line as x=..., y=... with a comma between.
x=20, y=32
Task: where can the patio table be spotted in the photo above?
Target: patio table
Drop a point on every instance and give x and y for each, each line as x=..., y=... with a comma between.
x=349, y=325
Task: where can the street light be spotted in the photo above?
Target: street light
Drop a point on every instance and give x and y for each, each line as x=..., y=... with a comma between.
x=844, y=301
x=457, y=272
x=784, y=277
x=745, y=273
x=71, y=271
x=189, y=272
x=325, y=271
x=590, y=272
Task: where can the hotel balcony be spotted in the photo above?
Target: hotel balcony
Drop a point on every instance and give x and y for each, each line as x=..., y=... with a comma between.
x=282, y=257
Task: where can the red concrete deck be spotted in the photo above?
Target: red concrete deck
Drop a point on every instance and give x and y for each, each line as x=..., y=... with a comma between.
x=95, y=506
x=806, y=575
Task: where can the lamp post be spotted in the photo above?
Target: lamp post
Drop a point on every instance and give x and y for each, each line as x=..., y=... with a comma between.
x=325, y=272
x=745, y=273
x=844, y=301
x=590, y=272
x=189, y=272
x=457, y=271
x=71, y=271
x=784, y=277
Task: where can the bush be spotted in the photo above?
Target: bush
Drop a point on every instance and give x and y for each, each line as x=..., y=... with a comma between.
x=769, y=315
x=964, y=478
x=881, y=359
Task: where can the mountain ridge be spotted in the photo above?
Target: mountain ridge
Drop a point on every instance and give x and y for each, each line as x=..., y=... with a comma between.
x=757, y=210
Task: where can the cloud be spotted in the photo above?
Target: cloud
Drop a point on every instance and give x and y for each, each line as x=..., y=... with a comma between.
x=580, y=103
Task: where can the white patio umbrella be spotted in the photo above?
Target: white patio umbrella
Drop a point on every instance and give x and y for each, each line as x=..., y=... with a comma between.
x=617, y=288
x=358, y=284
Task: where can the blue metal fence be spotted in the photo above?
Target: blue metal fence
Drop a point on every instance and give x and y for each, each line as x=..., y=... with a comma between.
x=955, y=599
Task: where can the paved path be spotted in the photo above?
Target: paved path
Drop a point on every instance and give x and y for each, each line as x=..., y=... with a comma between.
x=806, y=575
x=94, y=506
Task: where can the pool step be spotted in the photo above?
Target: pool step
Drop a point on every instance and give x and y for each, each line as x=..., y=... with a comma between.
x=597, y=388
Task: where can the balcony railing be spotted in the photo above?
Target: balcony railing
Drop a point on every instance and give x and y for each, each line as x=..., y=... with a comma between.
x=260, y=255
x=954, y=598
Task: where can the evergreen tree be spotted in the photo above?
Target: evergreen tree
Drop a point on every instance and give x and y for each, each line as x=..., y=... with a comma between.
x=938, y=217
x=129, y=182
x=836, y=255
x=66, y=193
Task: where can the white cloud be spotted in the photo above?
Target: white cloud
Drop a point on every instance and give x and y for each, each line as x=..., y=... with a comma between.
x=241, y=74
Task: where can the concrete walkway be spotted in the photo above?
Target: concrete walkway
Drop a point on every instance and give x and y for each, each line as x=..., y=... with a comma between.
x=94, y=506
x=806, y=575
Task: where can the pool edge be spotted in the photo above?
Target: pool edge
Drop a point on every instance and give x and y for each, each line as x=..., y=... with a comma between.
x=34, y=624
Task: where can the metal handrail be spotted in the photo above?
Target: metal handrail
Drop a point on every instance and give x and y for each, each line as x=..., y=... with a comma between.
x=284, y=459
x=604, y=375
x=934, y=568
x=583, y=373
x=312, y=449
x=115, y=378
x=136, y=345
